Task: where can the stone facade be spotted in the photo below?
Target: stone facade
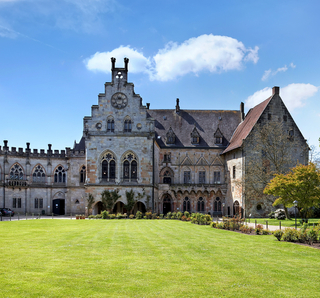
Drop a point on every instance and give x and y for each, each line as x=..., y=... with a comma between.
x=172, y=159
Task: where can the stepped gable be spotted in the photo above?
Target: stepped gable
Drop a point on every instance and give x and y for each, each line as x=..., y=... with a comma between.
x=246, y=126
x=183, y=122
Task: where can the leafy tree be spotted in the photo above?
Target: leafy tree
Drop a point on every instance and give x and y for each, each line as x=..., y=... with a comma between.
x=130, y=201
x=108, y=198
x=90, y=202
x=301, y=184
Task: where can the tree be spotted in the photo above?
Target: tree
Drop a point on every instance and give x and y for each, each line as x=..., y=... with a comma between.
x=130, y=201
x=108, y=198
x=268, y=150
x=90, y=202
x=301, y=184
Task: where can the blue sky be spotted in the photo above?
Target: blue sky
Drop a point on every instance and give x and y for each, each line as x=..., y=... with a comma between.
x=55, y=59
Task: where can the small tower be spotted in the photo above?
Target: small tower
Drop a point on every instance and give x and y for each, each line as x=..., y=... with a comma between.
x=119, y=75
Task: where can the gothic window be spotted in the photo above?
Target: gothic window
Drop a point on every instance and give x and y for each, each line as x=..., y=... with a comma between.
x=83, y=174
x=186, y=204
x=170, y=136
x=216, y=177
x=195, y=136
x=19, y=202
x=39, y=175
x=200, y=205
x=127, y=125
x=217, y=205
x=187, y=177
x=167, y=177
x=108, y=167
x=234, y=172
x=36, y=203
x=60, y=175
x=40, y=203
x=218, y=137
x=16, y=172
x=110, y=125
x=202, y=177
x=14, y=203
x=130, y=167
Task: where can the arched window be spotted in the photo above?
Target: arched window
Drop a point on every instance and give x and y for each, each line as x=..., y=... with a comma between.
x=217, y=205
x=130, y=167
x=83, y=174
x=110, y=125
x=108, y=167
x=60, y=175
x=16, y=172
x=186, y=204
x=166, y=177
x=200, y=205
x=39, y=175
x=127, y=125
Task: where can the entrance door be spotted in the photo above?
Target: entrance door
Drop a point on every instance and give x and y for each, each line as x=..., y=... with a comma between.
x=166, y=204
x=58, y=206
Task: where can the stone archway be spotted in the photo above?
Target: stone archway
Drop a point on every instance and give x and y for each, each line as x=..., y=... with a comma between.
x=119, y=208
x=236, y=208
x=167, y=204
x=139, y=206
x=97, y=208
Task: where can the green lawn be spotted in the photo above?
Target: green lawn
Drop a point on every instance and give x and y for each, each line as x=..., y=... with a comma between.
x=149, y=258
x=284, y=223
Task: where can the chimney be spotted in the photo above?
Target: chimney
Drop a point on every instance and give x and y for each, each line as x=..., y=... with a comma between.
x=148, y=105
x=242, y=111
x=5, y=147
x=177, y=106
x=275, y=90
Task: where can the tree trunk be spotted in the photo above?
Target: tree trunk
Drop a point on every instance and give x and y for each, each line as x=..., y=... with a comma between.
x=286, y=212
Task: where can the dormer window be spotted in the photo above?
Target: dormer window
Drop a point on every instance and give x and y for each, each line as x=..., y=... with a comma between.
x=218, y=137
x=170, y=137
x=195, y=136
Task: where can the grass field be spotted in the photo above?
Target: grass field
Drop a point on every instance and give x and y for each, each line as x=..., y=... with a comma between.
x=284, y=223
x=149, y=258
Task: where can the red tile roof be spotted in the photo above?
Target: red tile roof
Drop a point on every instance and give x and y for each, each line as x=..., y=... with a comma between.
x=245, y=127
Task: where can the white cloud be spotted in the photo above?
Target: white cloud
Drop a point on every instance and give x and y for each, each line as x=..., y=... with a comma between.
x=206, y=52
x=269, y=72
x=102, y=61
x=293, y=95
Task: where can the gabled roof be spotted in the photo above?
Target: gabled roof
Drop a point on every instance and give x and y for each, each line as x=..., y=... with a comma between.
x=183, y=123
x=245, y=127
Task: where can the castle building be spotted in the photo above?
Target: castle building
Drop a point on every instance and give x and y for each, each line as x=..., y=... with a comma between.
x=172, y=159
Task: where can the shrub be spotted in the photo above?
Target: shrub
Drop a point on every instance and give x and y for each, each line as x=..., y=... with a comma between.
x=280, y=214
x=271, y=214
x=144, y=217
x=98, y=216
x=179, y=214
x=168, y=215
x=278, y=234
x=131, y=216
x=290, y=235
x=246, y=229
x=213, y=224
x=161, y=216
x=221, y=225
x=173, y=215
x=155, y=216
x=91, y=216
x=148, y=215
x=104, y=214
x=312, y=236
x=194, y=220
x=265, y=232
x=208, y=218
x=186, y=214
x=112, y=216
x=259, y=229
x=302, y=236
x=138, y=215
x=183, y=218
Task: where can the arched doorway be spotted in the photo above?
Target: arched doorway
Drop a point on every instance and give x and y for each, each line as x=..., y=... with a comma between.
x=97, y=208
x=167, y=202
x=236, y=208
x=139, y=206
x=119, y=208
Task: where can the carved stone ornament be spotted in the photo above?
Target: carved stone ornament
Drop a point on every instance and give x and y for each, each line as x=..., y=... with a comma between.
x=119, y=100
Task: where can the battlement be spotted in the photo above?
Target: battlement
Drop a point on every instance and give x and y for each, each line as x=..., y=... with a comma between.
x=49, y=153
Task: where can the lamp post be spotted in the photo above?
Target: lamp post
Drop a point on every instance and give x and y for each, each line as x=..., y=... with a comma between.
x=295, y=203
x=223, y=204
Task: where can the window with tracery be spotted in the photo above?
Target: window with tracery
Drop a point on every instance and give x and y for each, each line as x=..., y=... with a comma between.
x=110, y=125
x=130, y=167
x=108, y=167
x=195, y=136
x=170, y=136
x=60, y=175
x=187, y=177
x=39, y=175
x=127, y=125
x=202, y=176
x=16, y=172
x=167, y=177
x=83, y=173
x=186, y=204
x=216, y=177
x=217, y=204
x=200, y=205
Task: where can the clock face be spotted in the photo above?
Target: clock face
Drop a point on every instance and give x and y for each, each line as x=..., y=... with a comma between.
x=119, y=100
